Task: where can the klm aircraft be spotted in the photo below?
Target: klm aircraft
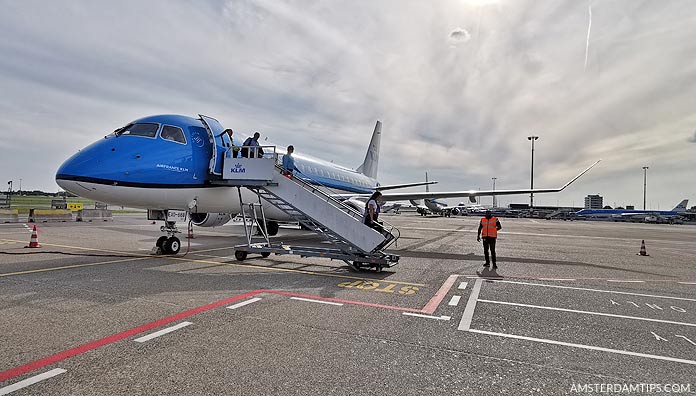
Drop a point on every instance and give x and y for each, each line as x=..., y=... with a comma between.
x=170, y=162
x=626, y=214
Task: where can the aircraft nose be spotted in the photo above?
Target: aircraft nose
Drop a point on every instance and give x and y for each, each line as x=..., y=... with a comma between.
x=69, y=173
x=83, y=166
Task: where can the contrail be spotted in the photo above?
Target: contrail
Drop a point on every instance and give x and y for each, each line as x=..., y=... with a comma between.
x=587, y=45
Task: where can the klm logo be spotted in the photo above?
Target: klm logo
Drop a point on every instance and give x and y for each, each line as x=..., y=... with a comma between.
x=238, y=168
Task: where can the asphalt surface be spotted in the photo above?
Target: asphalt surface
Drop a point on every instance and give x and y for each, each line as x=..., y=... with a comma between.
x=571, y=309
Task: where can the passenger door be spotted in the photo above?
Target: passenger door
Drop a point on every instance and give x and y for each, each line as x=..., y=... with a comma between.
x=215, y=131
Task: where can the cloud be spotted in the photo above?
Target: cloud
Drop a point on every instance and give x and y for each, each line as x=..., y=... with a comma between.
x=693, y=138
x=319, y=76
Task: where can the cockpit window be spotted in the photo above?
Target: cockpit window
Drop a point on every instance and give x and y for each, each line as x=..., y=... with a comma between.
x=175, y=134
x=145, y=129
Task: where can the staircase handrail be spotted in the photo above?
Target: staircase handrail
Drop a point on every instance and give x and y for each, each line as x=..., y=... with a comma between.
x=304, y=183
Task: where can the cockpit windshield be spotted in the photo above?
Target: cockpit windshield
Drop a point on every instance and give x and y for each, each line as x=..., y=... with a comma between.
x=174, y=134
x=145, y=129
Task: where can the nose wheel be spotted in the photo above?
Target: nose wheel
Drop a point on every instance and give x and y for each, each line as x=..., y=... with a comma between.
x=168, y=245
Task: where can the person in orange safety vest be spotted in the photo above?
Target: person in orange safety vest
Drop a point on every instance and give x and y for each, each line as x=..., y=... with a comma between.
x=488, y=228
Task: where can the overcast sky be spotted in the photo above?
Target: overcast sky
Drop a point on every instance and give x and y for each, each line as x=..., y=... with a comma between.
x=459, y=85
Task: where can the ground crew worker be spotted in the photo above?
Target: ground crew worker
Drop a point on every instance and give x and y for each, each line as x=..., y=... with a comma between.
x=488, y=228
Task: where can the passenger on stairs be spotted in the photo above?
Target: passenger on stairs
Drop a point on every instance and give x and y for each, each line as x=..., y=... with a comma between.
x=289, y=162
x=230, y=144
x=251, y=147
x=372, y=210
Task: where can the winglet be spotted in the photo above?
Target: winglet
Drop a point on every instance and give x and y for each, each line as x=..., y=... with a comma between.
x=581, y=173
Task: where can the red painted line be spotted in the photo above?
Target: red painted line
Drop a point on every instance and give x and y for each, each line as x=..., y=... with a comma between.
x=434, y=302
x=37, y=364
x=343, y=301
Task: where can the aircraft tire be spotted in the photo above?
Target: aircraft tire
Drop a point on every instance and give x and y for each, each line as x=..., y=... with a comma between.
x=265, y=254
x=240, y=255
x=160, y=241
x=172, y=245
x=272, y=228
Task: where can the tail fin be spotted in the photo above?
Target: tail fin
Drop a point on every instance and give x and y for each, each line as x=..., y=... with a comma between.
x=427, y=186
x=681, y=206
x=369, y=166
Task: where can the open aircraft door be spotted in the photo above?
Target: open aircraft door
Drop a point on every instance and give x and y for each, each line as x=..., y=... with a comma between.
x=217, y=140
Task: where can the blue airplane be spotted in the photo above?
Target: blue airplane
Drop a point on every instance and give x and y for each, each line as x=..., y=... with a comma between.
x=171, y=162
x=627, y=214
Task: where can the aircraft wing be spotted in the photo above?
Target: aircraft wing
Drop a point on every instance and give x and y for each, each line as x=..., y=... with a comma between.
x=404, y=185
x=466, y=193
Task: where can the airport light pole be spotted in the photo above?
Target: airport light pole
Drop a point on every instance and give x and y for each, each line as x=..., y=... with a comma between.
x=531, y=186
x=494, y=204
x=645, y=179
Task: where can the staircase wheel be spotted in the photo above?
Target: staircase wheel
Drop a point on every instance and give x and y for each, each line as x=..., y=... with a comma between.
x=265, y=254
x=240, y=255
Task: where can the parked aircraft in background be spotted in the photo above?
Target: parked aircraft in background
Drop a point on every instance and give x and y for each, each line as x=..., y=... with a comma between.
x=430, y=206
x=631, y=214
x=169, y=162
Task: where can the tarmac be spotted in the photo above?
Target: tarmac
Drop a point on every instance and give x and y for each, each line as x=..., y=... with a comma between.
x=572, y=308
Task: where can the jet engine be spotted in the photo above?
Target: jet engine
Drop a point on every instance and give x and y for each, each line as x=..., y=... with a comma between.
x=456, y=211
x=355, y=204
x=210, y=219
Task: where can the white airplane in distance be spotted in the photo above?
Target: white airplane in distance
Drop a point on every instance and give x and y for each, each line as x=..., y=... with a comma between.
x=433, y=206
x=170, y=162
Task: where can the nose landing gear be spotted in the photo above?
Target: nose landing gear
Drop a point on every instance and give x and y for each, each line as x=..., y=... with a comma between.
x=168, y=244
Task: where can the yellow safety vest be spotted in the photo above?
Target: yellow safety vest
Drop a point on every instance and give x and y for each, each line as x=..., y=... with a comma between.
x=488, y=227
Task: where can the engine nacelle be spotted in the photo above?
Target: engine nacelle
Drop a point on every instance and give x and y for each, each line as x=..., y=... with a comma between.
x=355, y=204
x=210, y=219
x=456, y=211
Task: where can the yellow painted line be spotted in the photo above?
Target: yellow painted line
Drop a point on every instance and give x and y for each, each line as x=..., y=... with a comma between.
x=82, y=248
x=141, y=256
x=70, y=266
x=105, y=250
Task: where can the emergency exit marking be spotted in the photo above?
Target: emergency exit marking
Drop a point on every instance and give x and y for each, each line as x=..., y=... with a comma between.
x=379, y=287
x=654, y=307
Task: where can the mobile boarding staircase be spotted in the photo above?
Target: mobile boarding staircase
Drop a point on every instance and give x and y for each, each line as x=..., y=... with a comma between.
x=310, y=204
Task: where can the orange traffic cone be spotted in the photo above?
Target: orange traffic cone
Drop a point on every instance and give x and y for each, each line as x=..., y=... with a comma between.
x=642, y=249
x=34, y=241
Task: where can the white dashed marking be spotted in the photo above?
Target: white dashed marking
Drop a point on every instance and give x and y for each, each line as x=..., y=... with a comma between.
x=162, y=332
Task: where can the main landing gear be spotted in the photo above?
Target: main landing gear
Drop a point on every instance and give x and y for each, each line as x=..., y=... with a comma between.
x=272, y=228
x=168, y=244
